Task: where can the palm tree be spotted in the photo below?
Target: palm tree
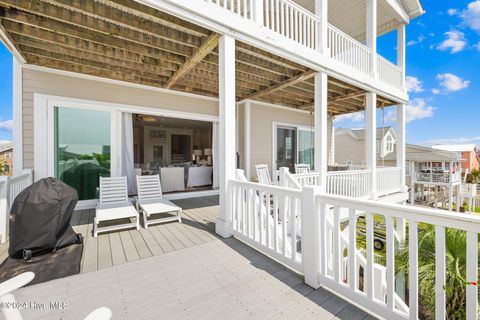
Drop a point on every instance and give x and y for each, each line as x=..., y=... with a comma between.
x=455, y=288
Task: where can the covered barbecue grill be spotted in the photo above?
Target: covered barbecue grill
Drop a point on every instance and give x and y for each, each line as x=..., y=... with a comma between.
x=40, y=218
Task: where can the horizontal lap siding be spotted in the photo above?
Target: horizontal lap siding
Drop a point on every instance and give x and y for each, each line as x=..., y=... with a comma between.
x=59, y=85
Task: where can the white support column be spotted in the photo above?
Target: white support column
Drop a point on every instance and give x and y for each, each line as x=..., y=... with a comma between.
x=17, y=117
x=371, y=140
x=310, y=223
x=321, y=131
x=371, y=35
x=331, y=141
x=227, y=130
x=401, y=144
x=401, y=38
x=246, y=137
x=321, y=11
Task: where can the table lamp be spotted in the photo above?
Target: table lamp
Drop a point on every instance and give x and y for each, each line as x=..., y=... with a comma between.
x=208, y=153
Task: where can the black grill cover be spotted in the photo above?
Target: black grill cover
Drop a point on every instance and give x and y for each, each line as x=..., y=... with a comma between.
x=40, y=217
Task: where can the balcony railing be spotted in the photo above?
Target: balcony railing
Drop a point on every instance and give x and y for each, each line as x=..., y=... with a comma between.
x=389, y=180
x=297, y=24
x=10, y=187
x=292, y=21
x=316, y=235
x=437, y=177
x=347, y=50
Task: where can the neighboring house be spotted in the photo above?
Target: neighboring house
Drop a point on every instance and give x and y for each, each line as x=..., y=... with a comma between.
x=469, y=153
x=433, y=175
x=6, y=161
x=188, y=88
x=350, y=146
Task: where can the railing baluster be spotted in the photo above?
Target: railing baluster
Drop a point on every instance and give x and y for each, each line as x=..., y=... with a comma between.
x=337, y=252
x=352, y=250
x=390, y=251
x=472, y=275
x=368, y=280
x=293, y=228
x=275, y=223
x=413, y=269
x=440, y=300
x=267, y=220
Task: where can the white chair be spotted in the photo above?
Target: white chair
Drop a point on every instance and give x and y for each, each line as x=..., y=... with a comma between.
x=302, y=168
x=263, y=174
x=7, y=298
x=114, y=205
x=150, y=201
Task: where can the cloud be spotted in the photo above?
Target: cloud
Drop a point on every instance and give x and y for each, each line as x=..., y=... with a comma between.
x=477, y=46
x=455, y=41
x=452, y=12
x=6, y=125
x=413, y=84
x=462, y=140
x=451, y=82
x=5, y=142
x=471, y=15
x=420, y=39
x=353, y=117
x=417, y=109
x=435, y=91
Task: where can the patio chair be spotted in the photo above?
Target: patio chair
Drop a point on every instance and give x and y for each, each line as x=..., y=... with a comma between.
x=7, y=298
x=150, y=202
x=302, y=168
x=114, y=205
x=263, y=174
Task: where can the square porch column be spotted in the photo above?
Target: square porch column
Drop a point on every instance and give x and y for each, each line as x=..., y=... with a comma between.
x=227, y=157
x=321, y=11
x=401, y=143
x=401, y=43
x=371, y=140
x=321, y=127
x=371, y=35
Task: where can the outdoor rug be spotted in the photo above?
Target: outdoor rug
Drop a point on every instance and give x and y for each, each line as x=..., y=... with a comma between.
x=47, y=266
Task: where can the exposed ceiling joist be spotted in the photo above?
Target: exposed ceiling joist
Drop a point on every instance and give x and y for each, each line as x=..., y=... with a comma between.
x=284, y=84
x=348, y=96
x=207, y=46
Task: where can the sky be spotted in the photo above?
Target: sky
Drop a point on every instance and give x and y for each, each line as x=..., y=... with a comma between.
x=5, y=94
x=443, y=76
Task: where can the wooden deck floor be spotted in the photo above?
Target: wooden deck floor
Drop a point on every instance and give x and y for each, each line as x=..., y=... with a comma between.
x=181, y=271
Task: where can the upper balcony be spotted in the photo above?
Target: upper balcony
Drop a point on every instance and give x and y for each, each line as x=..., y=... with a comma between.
x=342, y=45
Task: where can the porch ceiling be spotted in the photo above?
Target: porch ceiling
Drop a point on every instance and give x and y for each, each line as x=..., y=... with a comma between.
x=125, y=40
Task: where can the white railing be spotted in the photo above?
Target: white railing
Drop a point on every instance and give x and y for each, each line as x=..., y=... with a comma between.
x=388, y=72
x=437, y=177
x=355, y=184
x=10, y=187
x=389, y=180
x=347, y=50
x=292, y=21
x=243, y=8
x=268, y=218
x=322, y=249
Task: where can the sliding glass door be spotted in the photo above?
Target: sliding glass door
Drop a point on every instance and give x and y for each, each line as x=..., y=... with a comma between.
x=293, y=145
x=82, y=142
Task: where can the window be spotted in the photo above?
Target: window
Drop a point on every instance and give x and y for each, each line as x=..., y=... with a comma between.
x=8, y=155
x=82, y=149
x=389, y=144
x=294, y=145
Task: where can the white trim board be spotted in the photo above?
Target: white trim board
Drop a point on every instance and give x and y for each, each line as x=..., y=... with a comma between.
x=17, y=132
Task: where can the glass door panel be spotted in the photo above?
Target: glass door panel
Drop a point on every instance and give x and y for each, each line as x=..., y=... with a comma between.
x=306, y=148
x=286, y=147
x=82, y=149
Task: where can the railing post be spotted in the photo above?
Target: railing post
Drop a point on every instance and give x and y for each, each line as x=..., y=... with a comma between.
x=321, y=11
x=282, y=181
x=258, y=11
x=310, y=237
x=4, y=210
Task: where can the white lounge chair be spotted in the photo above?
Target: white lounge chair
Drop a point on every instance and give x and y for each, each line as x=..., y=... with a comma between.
x=263, y=174
x=7, y=298
x=150, y=201
x=114, y=205
x=302, y=168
